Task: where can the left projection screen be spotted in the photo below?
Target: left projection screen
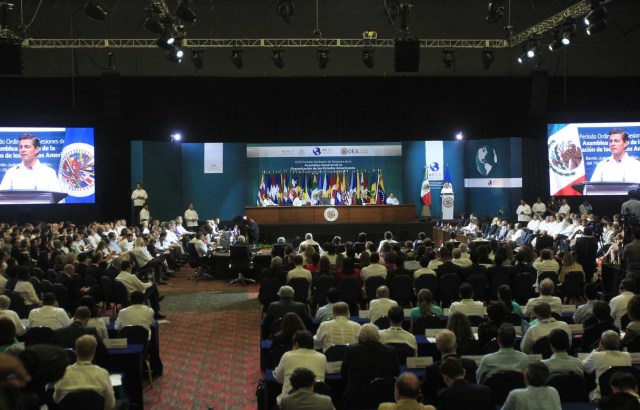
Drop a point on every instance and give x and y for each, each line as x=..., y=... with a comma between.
x=47, y=159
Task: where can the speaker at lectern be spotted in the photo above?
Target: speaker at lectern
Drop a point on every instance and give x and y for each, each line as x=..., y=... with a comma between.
x=448, y=201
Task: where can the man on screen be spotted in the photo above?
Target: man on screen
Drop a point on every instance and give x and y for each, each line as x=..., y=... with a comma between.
x=620, y=166
x=31, y=174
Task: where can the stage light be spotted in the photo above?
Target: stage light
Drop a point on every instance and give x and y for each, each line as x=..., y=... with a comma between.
x=95, y=11
x=196, y=57
x=368, y=57
x=495, y=11
x=183, y=12
x=568, y=31
x=165, y=44
x=595, y=19
x=176, y=137
x=557, y=43
x=277, y=57
x=448, y=57
x=459, y=135
x=153, y=25
x=323, y=57
x=285, y=9
x=175, y=55
x=487, y=57
x=236, y=58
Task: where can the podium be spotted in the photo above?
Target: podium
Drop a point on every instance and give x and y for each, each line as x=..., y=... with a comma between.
x=447, y=205
x=28, y=197
x=605, y=188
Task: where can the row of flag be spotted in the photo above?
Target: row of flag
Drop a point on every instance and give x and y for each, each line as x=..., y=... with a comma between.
x=343, y=188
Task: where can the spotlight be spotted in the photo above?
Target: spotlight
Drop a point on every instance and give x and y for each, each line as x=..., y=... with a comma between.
x=367, y=57
x=595, y=19
x=487, y=57
x=165, y=44
x=448, y=57
x=196, y=57
x=495, y=11
x=95, y=11
x=459, y=135
x=183, y=12
x=557, y=43
x=176, y=137
x=175, y=55
x=323, y=57
x=236, y=58
x=568, y=32
x=285, y=9
x=528, y=51
x=277, y=57
x=153, y=25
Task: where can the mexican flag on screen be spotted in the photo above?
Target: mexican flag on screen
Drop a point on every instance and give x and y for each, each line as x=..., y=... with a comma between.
x=566, y=161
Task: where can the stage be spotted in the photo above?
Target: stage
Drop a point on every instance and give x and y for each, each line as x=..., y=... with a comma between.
x=327, y=214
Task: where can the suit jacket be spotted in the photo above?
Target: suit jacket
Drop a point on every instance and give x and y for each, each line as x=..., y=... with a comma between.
x=462, y=395
x=593, y=333
x=586, y=250
x=447, y=267
x=281, y=308
x=66, y=337
x=432, y=382
x=306, y=399
x=362, y=363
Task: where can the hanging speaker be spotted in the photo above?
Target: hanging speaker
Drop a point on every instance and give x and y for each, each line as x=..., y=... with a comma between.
x=406, y=56
x=10, y=57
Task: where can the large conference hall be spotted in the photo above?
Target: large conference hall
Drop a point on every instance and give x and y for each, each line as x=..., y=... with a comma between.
x=465, y=145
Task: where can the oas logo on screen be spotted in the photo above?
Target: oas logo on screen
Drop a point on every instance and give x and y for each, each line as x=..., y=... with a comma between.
x=77, y=170
x=564, y=157
x=434, y=167
x=317, y=151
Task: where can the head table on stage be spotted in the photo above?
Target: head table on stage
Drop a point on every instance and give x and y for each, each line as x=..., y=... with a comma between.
x=323, y=214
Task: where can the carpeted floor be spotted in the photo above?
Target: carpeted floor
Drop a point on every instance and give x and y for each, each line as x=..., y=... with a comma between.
x=209, y=347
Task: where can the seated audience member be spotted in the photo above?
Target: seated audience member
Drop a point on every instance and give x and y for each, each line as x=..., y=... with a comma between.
x=24, y=288
x=201, y=248
x=488, y=330
x=537, y=395
x=49, y=315
x=546, y=295
x=459, y=324
x=325, y=312
x=546, y=323
x=302, y=396
x=505, y=359
x=467, y=305
x=137, y=314
x=8, y=341
x=569, y=264
x=66, y=336
x=546, y=262
x=374, y=268
x=95, y=321
x=606, y=355
x=5, y=312
x=505, y=295
x=338, y=331
x=299, y=271
x=380, y=306
x=426, y=306
x=278, y=248
x=406, y=393
x=291, y=323
x=624, y=382
x=459, y=260
x=388, y=238
x=308, y=241
x=283, y=306
x=585, y=312
x=619, y=303
x=460, y=393
x=560, y=361
x=83, y=375
x=619, y=401
x=302, y=355
x=424, y=268
x=365, y=361
x=132, y=283
x=395, y=333
x=602, y=321
x=633, y=328
x=433, y=381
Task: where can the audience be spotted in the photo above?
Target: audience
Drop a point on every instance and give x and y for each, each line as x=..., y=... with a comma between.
x=619, y=303
x=137, y=314
x=585, y=312
x=49, y=315
x=380, y=306
x=546, y=295
x=596, y=326
x=395, y=333
x=536, y=395
x=546, y=323
x=302, y=381
x=5, y=312
x=606, y=355
x=406, y=394
x=338, y=331
x=560, y=361
x=505, y=359
x=460, y=394
x=467, y=305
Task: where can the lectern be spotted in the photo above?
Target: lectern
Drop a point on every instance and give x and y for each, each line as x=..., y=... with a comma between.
x=21, y=197
x=605, y=188
x=447, y=205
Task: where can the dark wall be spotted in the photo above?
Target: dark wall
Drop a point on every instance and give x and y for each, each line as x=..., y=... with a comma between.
x=301, y=109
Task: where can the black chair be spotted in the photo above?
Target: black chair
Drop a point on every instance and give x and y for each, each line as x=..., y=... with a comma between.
x=341, y=248
x=17, y=304
x=37, y=286
x=633, y=346
x=359, y=247
x=496, y=281
x=323, y=284
x=138, y=335
x=513, y=318
x=421, y=324
x=427, y=282
x=624, y=321
x=570, y=387
x=522, y=287
x=82, y=400
x=371, y=284
x=108, y=292
x=401, y=290
x=382, y=323
x=573, y=286
x=542, y=346
x=605, y=388
x=476, y=320
x=322, y=388
x=268, y=292
x=379, y=390
x=38, y=273
x=480, y=284
x=449, y=284
x=469, y=348
x=549, y=275
x=278, y=249
x=46, y=286
x=71, y=356
x=38, y=335
x=275, y=354
x=51, y=275
x=403, y=351
x=490, y=347
x=240, y=263
x=62, y=296
x=502, y=383
x=122, y=295
x=300, y=289
x=349, y=289
x=200, y=264
x=335, y=353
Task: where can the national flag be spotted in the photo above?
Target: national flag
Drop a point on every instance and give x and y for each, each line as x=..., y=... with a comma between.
x=447, y=175
x=307, y=189
x=261, y=191
x=425, y=190
x=358, y=184
x=319, y=189
x=373, y=189
x=564, y=170
x=381, y=197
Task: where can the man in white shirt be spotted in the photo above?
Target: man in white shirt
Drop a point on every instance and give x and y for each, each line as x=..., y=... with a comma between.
x=388, y=238
x=299, y=271
x=534, y=224
x=82, y=375
x=191, y=218
x=132, y=283
x=201, y=247
x=606, y=355
x=139, y=197
x=467, y=305
x=619, y=303
x=392, y=200
x=620, y=166
x=5, y=302
x=380, y=306
x=565, y=209
x=539, y=208
x=145, y=215
x=546, y=323
x=373, y=269
x=395, y=333
x=137, y=314
x=338, y=331
x=308, y=241
x=545, y=288
x=297, y=201
x=49, y=315
x=30, y=174
x=523, y=211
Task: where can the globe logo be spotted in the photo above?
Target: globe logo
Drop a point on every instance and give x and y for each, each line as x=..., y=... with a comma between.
x=434, y=167
x=486, y=160
x=317, y=151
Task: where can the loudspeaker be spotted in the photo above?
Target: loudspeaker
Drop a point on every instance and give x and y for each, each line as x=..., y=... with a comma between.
x=539, y=92
x=406, y=56
x=10, y=57
x=111, y=95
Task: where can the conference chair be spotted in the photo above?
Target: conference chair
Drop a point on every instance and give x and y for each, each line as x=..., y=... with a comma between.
x=17, y=303
x=382, y=323
x=371, y=284
x=37, y=286
x=82, y=400
x=349, y=289
x=403, y=351
x=496, y=281
x=401, y=290
x=300, y=289
x=122, y=297
x=268, y=292
x=549, y=275
x=427, y=322
x=275, y=354
x=335, y=353
x=502, y=383
x=322, y=286
x=359, y=247
x=46, y=286
x=379, y=390
x=605, y=388
x=38, y=335
x=573, y=286
x=522, y=287
x=108, y=293
x=479, y=283
x=449, y=286
x=542, y=346
x=241, y=263
x=570, y=387
x=138, y=335
x=278, y=249
x=427, y=281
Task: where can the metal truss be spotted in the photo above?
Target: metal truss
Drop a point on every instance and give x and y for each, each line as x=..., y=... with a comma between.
x=257, y=43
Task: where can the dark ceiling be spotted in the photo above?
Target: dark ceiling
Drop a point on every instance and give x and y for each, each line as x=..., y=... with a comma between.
x=616, y=52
